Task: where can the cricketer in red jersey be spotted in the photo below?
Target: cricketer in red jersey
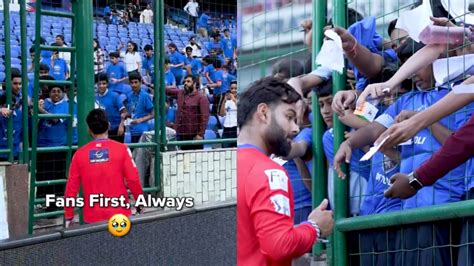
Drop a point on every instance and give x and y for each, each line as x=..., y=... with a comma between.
x=102, y=166
x=265, y=231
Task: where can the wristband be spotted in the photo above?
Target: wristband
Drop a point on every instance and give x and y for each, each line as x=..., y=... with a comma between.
x=316, y=227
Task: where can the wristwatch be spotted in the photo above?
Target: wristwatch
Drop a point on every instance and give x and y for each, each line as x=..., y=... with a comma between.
x=414, y=182
x=316, y=227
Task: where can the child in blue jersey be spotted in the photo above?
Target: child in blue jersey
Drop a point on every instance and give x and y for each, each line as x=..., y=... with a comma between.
x=148, y=65
x=139, y=107
x=44, y=71
x=111, y=103
x=52, y=133
x=12, y=111
x=216, y=87
x=59, y=69
x=177, y=63
x=170, y=81
x=193, y=65
x=117, y=73
x=215, y=43
x=228, y=45
x=208, y=70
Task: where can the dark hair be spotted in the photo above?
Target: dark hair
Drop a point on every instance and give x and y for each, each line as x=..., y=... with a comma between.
x=287, y=68
x=60, y=36
x=215, y=34
x=102, y=77
x=352, y=17
x=44, y=67
x=98, y=44
x=192, y=77
x=167, y=61
x=226, y=30
x=408, y=48
x=134, y=76
x=50, y=87
x=189, y=48
x=268, y=90
x=114, y=54
x=324, y=89
x=217, y=63
x=15, y=73
x=135, y=46
x=32, y=49
x=173, y=45
x=233, y=82
x=148, y=47
x=97, y=121
x=391, y=26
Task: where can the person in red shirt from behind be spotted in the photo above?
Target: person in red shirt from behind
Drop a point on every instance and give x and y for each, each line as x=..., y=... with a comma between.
x=102, y=166
x=266, y=234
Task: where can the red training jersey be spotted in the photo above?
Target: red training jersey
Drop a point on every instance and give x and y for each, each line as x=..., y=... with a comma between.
x=102, y=167
x=265, y=209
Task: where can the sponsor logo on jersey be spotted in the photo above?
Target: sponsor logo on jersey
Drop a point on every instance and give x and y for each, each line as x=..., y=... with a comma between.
x=281, y=203
x=99, y=156
x=277, y=179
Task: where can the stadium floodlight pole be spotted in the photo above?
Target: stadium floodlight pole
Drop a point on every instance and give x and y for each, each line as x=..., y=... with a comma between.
x=318, y=176
x=24, y=80
x=8, y=73
x=340, y=186
x=159, y=84
x=84, y=66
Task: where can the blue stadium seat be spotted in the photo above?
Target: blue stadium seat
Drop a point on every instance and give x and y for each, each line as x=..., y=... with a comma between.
x=209, y=134
x=16, y=61
x=31, y=76
x=2, y=68
x=18, y=66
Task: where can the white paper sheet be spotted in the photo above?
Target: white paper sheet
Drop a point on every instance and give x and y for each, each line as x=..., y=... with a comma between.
x=331, y=54
x=459, y=9
x=460, y=89
x=415, y=21
x=373, y=150
x=446, y=69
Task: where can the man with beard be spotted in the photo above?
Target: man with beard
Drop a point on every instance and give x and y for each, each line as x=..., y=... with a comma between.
x=266, y=234
x=192, y=114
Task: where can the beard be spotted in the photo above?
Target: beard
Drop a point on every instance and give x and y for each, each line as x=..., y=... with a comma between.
x=277, y=142
x=189, y=89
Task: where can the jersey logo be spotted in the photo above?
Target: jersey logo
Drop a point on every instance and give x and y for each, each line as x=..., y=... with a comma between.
x=281, y=204
x=99, y=156
x=277, y=179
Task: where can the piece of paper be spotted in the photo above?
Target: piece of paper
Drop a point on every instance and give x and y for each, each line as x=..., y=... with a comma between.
x=373, y=150
x=408, y=142
x=331, y=54
x=368, y=111
x=459, y=10
x=446, y=69
x=460, y=89
x=278, y=160
x=415, y=21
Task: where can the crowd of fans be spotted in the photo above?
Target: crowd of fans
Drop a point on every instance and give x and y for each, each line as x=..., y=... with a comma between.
x=406, y=68
x=124, y=88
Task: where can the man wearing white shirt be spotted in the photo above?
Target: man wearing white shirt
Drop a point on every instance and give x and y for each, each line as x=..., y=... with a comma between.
x=147, y=15
x=192, y=8
x=195, y=46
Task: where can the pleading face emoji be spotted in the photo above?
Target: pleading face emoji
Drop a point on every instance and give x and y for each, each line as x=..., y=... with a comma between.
x=119, y=225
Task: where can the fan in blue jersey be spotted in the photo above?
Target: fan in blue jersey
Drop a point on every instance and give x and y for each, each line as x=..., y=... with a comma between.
x=111, y=103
